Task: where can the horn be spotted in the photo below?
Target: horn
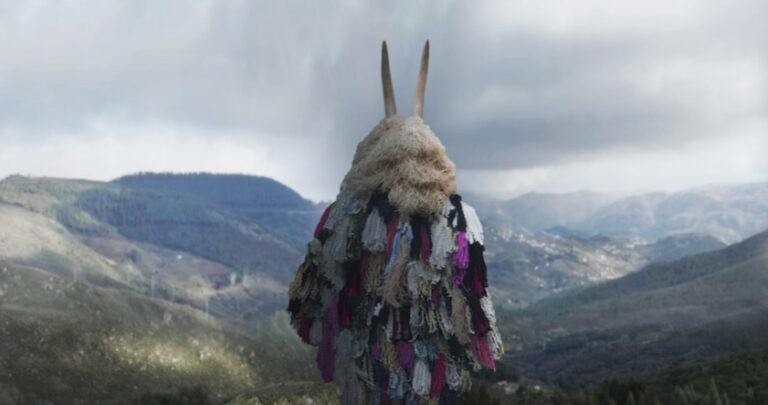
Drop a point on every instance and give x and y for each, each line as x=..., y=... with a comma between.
x=386, y=82
x=421, y=85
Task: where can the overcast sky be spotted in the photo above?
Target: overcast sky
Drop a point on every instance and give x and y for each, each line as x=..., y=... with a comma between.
x=525, y=95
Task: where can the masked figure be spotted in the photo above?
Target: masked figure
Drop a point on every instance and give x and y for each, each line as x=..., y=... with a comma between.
x=393, y=290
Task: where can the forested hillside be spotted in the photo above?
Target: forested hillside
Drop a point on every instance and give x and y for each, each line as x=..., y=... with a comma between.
x=140, y=285
x=685, y=310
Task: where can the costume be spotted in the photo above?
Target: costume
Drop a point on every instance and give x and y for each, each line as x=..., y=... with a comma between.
x=393, y=289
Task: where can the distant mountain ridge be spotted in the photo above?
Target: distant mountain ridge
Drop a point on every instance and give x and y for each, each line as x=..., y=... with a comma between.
x=730, y=213
x=265, y=201
x=238, y=190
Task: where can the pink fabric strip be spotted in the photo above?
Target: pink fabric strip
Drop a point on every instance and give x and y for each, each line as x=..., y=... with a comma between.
x=438, y=377
x=405, y=355
x=461, y=257
x=323, y=219
x=483, y=351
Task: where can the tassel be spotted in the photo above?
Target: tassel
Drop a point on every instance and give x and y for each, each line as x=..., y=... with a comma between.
x=335, y=248
x=479, y=269
x=479, y=319
x=398, y=384
x=483, y=352
x=435, y=296
x=355, y=236
x=445, y=321
x=474, y=227
x=442, y=243
x=494, y=338
x=388, y=354
x=415, y=271
x=465, y=381
x=376, y=265
x=375, y=233
x=438, y=377
x=323, y=220
x=460, y=316
x=405, y=355
x=334, y=215
x=452, y=377
x=456, y=218
x=422, y=378
x=298, y=279
x=395, y=281
x=461, y=257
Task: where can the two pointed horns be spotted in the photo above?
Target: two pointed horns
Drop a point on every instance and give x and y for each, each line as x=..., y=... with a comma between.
x=386, y=82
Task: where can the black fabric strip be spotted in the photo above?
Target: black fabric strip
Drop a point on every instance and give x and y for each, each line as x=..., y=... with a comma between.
x=324, y=234
x=417, y=222
x=477, y=263
x=461, y=224
x=478, y=316
x=294, y=306
x=380, y=201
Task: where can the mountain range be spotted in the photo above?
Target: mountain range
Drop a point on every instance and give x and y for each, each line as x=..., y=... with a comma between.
x=729, y=213
x=165, y=279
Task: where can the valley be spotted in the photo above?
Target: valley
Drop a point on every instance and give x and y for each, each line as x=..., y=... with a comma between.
x=165, y=279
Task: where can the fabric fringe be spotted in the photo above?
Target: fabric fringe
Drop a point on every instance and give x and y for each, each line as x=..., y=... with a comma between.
x=395, y=281
x=442, y=243
x=388, y=354
x=405, y=355
x=335, y=248
x=422, y=378
x=461, y=257
x=298, y=279
x=452, y=377
x=375, y=232
x=461, y=319
x=382, y=295
x=483, y=351
x=372, y=279
x=474, y=227
x=438, y=377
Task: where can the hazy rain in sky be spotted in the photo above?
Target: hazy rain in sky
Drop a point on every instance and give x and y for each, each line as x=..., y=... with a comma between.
x=526, y=96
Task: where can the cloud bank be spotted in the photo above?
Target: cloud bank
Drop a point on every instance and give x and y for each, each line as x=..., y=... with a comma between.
x=547, y=96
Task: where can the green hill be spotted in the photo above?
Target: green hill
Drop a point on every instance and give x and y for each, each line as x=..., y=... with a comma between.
x=689, y=309
x=258, y=199
x=109, y=294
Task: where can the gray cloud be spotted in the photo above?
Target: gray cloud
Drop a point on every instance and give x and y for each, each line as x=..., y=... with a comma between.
x=514, y=87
